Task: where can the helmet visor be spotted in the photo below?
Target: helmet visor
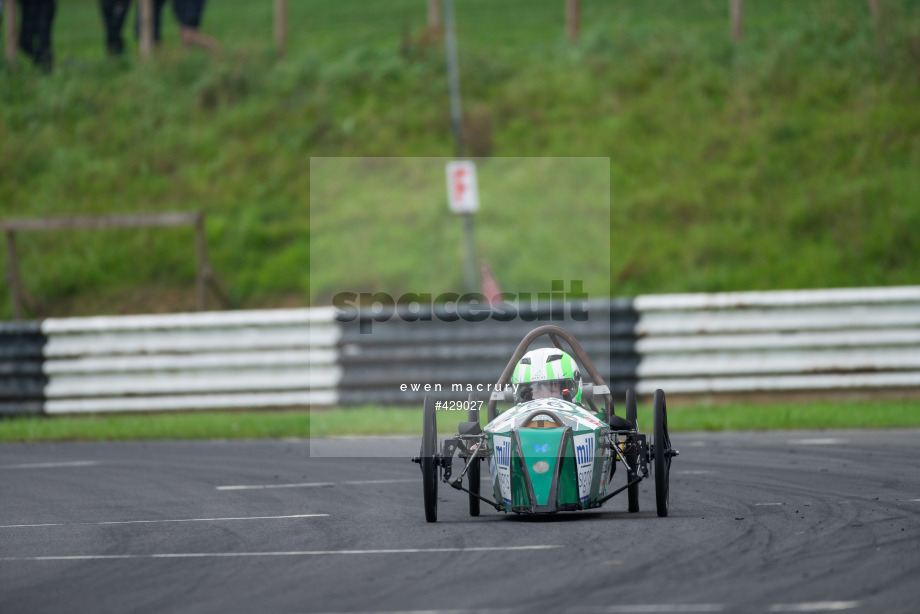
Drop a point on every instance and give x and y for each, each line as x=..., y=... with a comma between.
x=550, y=389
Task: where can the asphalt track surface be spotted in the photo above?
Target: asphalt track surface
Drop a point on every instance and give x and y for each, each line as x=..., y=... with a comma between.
x=760, y=522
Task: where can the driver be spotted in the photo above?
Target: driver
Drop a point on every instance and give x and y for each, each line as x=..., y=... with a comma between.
x=547, y=373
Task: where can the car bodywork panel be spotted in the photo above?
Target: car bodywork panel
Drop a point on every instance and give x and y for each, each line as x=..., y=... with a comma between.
x=539, y=466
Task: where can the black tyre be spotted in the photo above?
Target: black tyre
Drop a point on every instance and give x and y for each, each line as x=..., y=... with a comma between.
x=472, y=415
x=430, y=460
x=632, y=454
x=662, y=442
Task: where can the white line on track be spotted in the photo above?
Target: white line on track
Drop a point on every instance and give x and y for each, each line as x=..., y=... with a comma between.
x=820, y=441
x=313, y=484
x=476, y=611
x=205, y=555
x=688, y=608
x=814, y=606
x=654, y=608
x=62, y=524
x=768, y=504
x=647, y=608
x=50, y=465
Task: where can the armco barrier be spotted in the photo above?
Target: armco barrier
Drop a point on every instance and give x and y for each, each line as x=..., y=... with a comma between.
x=447, y=353
x=772, y=342
x=186, y=361
x=22, y=381
x=694, y=344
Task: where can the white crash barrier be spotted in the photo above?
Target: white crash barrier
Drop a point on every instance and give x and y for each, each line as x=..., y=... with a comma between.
x=270, y=358
x=846, y=340
x=861, y=340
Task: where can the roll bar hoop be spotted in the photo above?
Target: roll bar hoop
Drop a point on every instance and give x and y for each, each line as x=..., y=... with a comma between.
x=554, y=332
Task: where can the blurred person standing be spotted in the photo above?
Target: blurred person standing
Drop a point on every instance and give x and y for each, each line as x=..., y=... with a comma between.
x=189, y=14
x=113, y=15
x=35, y=31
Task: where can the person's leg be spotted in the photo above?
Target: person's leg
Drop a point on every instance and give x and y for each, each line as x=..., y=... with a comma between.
x=45, y=50
x=157, y=19
x=28, y=27
x=188, y=14
x=113, y=14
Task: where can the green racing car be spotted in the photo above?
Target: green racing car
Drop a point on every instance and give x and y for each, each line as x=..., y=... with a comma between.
x=554, y=449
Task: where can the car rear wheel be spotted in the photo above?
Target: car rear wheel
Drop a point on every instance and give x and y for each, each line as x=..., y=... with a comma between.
x=662, y=443
x=632, y=454
x=472, y=415
x=429, y=460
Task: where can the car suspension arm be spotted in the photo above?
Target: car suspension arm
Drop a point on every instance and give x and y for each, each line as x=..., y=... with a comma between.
x=459, y=486
x=458, y=483
x=469, y=463
x=621, y=489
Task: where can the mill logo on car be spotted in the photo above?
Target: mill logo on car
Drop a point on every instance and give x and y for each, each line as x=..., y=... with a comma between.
x=584, y=458
x=503, y=466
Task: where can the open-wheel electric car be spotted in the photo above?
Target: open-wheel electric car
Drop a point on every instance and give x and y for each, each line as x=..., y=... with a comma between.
x=554, y=449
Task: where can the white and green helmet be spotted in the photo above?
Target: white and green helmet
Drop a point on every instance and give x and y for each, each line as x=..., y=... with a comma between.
x=547, y=368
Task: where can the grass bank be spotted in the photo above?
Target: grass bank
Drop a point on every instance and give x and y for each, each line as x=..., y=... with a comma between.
x=787, y=161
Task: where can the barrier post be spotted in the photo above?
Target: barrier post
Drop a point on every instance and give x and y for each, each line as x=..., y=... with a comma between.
x=201, y=253
x=12, y=274
x=9, y=27
x=736, y=9
x=146, y=9
x=571, y=20
x=281, y=27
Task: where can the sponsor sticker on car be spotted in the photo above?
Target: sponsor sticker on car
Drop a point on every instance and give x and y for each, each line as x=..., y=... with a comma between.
x=584, y=458
x=502, y=456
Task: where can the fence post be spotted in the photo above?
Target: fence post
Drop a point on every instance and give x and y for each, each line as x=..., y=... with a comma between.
x=737, y=16
x=571, y=19
x=875, y=7
x=281, y=27
x=12, y=274
x=434, y=16
x=9, y=27
x=146, y=11
x=201, y=258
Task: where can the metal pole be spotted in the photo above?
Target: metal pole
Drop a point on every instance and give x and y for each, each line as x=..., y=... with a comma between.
x=450, y=42
x=469, y=263
x=281, y=27
x=146, y=8
x=12, y=274
x=9, y=26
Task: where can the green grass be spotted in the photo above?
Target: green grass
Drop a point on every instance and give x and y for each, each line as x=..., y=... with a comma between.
x=788, y=161
x=385, y=421
x=114, y=427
